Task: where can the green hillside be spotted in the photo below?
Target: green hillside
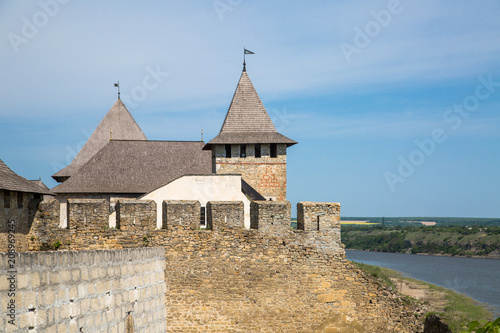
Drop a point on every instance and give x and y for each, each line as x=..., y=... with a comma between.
x=447, y=240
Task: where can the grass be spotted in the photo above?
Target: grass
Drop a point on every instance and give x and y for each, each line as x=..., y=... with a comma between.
x=458, y=310
x=378, y=272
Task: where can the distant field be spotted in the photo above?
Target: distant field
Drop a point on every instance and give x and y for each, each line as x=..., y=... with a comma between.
x=358, y=222
x=417, y=221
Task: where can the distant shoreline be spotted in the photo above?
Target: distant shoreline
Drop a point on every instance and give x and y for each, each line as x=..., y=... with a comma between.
x=494, y=257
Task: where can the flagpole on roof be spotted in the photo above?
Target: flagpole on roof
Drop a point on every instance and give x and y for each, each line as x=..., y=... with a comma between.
x=244, y=63
x=245, y=52
x=118, y=86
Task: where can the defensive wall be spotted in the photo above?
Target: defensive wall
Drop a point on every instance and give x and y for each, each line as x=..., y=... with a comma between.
x=83, y=291
x=226, y=278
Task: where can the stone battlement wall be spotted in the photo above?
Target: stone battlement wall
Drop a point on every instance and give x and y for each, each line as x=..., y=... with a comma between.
x=231, y=279
x=88, y=223
x=84, y=291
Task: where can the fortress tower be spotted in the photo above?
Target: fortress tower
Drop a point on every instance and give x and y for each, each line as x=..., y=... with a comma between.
x=249, y=144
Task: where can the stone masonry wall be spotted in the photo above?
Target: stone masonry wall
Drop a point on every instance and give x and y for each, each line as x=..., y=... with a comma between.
x=270, y=217
x=22, y=213
x=183, y=214
x=222, y=214
x=317, y=216
x=320, y=222
x=88, y=215
x=265, y=174
x=84, y=291
x=239, y=280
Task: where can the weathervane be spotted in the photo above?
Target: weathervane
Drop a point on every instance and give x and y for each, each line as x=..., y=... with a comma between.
x=244, y=63
x=118, y=86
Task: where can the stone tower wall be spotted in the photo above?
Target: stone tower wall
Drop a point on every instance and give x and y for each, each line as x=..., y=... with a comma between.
x=265, y=174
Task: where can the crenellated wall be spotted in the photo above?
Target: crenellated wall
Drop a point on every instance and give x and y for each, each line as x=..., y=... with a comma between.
x=88, y=222
x=232, y=279
x=222, y=214
x=271, y=217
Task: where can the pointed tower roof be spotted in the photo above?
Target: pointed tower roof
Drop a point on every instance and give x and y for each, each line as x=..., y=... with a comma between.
x=247, y=120
x=117, y=124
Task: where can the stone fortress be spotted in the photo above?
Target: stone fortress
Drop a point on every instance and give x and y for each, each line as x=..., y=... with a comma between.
x=172, y=236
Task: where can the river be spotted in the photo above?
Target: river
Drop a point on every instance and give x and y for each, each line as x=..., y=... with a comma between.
x=474, y=277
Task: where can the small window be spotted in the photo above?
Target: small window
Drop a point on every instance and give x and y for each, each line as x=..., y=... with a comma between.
x=38, y=196
x=228, y=151
x=243, y=150
x=19, y=199
x=257, y=150
x=203, y=217
x=6, y=199
x=318, y=222
x=274, y=150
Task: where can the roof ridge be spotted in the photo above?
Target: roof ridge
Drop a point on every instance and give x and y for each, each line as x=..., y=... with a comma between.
x=117, y=122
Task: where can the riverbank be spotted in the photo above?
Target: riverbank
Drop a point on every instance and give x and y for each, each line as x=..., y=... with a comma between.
x=461, y=241
x=453, y=308
x=491, y=256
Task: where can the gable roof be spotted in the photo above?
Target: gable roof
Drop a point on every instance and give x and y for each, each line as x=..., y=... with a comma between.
x=247, y=121
x=117, y=124
x=11, y=181
x=124, y=166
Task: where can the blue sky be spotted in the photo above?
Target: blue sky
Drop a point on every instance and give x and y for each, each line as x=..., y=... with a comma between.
x=395, y=104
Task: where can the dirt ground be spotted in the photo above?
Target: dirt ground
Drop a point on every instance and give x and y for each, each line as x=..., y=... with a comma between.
x=422, y=292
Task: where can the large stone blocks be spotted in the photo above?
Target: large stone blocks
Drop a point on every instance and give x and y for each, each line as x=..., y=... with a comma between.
x=88, y=214
x=222, y=214
x=136, y=214
x=181, y=214
x=318, y=216
x=271, y=217
x=67, y=302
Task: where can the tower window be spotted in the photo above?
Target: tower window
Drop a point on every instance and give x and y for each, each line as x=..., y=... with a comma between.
x=19, y=199
x=274, y=150
x=6, y=199
x=257, y=150
x=228, y=151
x=243, y=150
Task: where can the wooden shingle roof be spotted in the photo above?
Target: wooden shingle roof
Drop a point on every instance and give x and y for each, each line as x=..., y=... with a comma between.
x=247, y=121
x=11, y=181
x=137, y=167
x=117, y=124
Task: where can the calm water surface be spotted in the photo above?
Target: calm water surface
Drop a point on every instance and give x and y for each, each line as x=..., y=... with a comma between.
x=477, y=278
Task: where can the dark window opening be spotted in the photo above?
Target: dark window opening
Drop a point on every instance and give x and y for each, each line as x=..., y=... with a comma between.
x=6, y=199
x=243, y=150
x=318, y=222
x=203, y=216
x=19, y=199
x=274, y=150
x=38, y=196
x=228, y=151
x=257, y=150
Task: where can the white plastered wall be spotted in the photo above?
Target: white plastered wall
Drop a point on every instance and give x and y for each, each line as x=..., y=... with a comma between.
x=203, y=188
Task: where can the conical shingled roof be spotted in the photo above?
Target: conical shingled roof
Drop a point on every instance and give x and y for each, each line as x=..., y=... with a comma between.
x=247, y=120
x=122, y=125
